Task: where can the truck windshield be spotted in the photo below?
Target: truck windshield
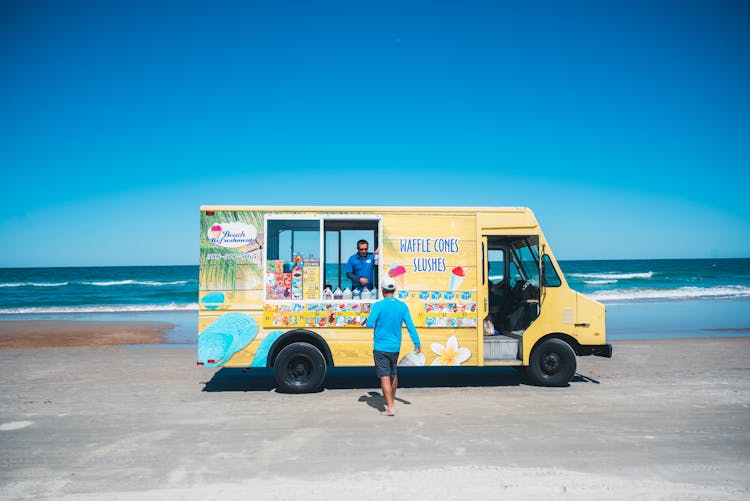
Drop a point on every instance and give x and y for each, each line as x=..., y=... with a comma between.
x=526, y=258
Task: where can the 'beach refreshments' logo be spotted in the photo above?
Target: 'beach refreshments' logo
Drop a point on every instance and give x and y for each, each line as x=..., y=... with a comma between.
x=232, y=235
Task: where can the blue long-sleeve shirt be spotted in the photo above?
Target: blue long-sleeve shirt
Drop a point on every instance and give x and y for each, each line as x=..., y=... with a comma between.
x=386, y=317
x=358, y=267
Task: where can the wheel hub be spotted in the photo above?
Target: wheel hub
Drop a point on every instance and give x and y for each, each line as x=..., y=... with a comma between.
x=299, y=368
x=550, y=363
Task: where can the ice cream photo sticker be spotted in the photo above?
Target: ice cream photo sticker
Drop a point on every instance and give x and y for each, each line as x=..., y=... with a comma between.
x=397, y=273
x=457, y=276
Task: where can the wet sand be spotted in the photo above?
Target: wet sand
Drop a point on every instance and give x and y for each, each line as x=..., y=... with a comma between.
x=57, y=333
x=663, y=419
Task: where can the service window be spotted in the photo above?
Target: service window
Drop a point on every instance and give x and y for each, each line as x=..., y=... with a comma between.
x=305, y=255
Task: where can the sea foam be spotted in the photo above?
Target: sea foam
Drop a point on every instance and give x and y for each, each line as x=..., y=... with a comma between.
x=34, y=284
x=101, y=308
x=719, y=292
x=98, y=284
x=134, y=282
x=613, y=275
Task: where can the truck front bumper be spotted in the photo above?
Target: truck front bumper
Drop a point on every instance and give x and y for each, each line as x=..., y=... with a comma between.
x=598, y=350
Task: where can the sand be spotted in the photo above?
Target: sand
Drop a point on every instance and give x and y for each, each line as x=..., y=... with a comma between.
x=666, y=419
x=50, y=333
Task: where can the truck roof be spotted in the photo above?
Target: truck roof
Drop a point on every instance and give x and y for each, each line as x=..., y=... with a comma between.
x=364, y=208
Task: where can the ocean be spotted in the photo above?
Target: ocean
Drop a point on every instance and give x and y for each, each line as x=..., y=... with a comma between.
x=115, y=293
x=644, y=298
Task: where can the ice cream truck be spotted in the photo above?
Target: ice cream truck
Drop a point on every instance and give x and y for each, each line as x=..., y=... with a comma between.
x=481, y=283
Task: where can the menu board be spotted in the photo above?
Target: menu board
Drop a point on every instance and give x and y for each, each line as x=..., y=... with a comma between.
x=446, y=309
x=320, y=314
x=311, y=279
x=430, y=309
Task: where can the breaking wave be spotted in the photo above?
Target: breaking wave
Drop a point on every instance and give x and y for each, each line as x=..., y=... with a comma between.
x=613, y=275
x=98, y=284
x=34, y=284
x=134, y=282
x=101, y=308
x=719, y=292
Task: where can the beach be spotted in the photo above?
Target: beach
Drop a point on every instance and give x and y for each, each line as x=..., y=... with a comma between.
x=663, y=419
x=57, y=333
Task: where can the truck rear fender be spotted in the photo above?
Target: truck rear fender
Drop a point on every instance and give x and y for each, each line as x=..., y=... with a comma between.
x=300, y=335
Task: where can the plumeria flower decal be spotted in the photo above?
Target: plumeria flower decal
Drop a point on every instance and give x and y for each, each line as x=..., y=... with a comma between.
x=450, y=354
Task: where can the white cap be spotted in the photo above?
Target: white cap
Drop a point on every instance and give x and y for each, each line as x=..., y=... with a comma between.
x=388, y=284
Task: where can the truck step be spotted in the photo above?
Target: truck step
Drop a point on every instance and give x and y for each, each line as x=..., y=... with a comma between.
x=498, y=348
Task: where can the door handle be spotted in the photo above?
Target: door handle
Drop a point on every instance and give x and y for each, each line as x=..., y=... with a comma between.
x=583, y=325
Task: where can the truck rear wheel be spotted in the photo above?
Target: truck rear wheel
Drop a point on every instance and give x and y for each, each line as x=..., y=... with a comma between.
x=552, y=363
x=299, y=368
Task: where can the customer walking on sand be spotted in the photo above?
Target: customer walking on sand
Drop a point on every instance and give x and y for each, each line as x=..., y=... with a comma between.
x=386, y=318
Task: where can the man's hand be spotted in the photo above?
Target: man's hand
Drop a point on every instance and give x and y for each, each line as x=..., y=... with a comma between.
x=364, y=281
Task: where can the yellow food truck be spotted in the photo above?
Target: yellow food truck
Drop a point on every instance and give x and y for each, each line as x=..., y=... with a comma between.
x=277, y=289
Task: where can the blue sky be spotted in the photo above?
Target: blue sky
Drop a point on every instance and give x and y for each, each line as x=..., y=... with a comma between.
x=625, y=125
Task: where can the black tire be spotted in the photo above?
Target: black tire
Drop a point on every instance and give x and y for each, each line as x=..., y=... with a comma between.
x=552, y=363
x=299, y=368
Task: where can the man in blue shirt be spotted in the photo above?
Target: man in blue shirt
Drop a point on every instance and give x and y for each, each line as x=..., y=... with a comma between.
x=360, y=267
x=386, y=318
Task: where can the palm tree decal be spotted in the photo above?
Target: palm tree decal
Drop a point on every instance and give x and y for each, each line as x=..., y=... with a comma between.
x=218, y=265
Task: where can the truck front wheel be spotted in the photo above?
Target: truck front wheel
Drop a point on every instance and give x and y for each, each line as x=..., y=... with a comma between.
x=552, y=363
x=299, y=368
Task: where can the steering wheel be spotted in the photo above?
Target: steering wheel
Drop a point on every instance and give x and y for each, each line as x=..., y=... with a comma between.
x=518, y=290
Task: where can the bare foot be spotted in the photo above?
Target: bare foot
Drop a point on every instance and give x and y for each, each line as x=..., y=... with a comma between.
x=388, y=412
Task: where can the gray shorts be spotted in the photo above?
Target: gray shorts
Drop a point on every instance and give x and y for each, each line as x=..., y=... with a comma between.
x=385, y=363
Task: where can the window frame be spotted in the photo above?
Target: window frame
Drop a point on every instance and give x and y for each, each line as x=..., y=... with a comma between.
x=547, y=264
x=321, y=218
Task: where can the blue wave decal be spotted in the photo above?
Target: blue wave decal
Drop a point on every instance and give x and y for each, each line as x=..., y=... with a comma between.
x=227, y=335
x=213, y=300
x=261, y=356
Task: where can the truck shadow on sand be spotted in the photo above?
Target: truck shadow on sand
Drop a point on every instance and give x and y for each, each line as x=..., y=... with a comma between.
x=351, y=378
